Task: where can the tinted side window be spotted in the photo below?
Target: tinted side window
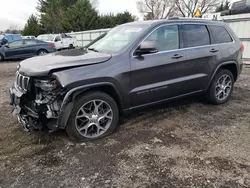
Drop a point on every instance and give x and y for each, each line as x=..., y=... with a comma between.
x=195, y=35
x=220, y=34
x=166, y=38
x=16, y=44
x=30, y=42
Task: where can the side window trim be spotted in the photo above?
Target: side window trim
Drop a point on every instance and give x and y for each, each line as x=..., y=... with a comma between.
x=153, y=30
x=181, y=39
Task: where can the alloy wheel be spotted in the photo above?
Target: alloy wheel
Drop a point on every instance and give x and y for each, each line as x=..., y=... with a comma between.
x=223, y=87
x=42, y=53
x=94, y=118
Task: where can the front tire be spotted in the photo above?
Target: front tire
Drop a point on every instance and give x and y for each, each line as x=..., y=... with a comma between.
x=221, y=87
x=95, y=115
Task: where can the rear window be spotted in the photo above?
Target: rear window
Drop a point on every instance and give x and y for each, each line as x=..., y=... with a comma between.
x=220, y=34
x=195, y=35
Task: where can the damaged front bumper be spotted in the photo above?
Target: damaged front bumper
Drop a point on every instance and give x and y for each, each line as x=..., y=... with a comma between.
x=35, y=115
x=15, y=96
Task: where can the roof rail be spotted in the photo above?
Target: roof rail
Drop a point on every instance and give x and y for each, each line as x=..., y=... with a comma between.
x=174, y=18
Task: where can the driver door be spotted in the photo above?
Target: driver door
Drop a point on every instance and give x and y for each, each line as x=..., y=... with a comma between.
x=15, y=49
x=158, y=76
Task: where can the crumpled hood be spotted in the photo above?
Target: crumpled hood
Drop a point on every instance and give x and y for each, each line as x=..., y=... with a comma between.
x=42, y=65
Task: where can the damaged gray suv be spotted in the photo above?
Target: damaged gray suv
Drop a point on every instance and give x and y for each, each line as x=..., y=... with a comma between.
x=133, y=66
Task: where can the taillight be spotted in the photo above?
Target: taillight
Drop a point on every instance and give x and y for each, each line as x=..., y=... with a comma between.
x=52, y=45
x=242, y=47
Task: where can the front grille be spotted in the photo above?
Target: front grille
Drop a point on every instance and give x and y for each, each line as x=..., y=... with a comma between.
x=22, y=82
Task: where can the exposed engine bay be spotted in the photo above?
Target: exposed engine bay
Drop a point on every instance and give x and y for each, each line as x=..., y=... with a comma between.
x=37, y=102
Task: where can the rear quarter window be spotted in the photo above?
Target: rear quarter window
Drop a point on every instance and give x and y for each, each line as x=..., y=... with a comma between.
x=220, y=34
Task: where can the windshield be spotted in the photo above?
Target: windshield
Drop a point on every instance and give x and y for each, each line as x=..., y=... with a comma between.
x=118, y=38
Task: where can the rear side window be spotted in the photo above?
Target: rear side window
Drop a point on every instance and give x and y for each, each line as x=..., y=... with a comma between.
x=30, y=42
x=220, y=34
x=195, y=35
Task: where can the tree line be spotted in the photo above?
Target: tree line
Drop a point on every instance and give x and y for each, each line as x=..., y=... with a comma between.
x=58, y=16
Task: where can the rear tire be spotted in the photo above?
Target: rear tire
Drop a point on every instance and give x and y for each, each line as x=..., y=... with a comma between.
x=95, y=115
x=221, y=87
x=42, y=52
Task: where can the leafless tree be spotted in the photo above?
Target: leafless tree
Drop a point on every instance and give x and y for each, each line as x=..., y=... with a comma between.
x=13, y=29
x=156, y=9
x=187, y=8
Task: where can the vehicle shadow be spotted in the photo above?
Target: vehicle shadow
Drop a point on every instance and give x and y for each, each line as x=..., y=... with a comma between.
x=180, y=104
x=177, y=104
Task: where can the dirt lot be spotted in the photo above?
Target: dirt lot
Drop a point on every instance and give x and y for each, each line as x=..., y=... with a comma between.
x=186, y=144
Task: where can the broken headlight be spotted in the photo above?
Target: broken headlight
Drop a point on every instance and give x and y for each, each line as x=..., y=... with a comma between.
x=46, y=85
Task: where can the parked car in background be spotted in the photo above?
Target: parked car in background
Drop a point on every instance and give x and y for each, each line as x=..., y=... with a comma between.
x=28, y=37
x=238, y=7
x=134, y=65
x=25, y=48
x=6, y=38
x=61, y=41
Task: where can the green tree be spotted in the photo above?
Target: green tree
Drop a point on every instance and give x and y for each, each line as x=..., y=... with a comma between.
x=226, y=5
x=80, y=16
x=58, y=16
x=220, y=8
x=111, y=20
x=223, y=6
x=51, y=16
x=32, y=26
x=107, y=21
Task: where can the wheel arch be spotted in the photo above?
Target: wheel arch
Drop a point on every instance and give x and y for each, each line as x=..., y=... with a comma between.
x=231, y=66
x=41, y=49
x=73, y=94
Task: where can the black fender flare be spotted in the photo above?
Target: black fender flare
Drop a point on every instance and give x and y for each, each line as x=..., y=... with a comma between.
x=68, y=101
x=218, y=67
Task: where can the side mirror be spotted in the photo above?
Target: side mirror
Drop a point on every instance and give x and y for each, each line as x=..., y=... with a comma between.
x=146, y=47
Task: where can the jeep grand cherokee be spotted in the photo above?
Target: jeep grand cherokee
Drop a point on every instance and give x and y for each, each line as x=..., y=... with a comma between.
x=133, y=66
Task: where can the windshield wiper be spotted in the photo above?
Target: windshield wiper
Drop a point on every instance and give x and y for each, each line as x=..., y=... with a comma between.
x=93, y=49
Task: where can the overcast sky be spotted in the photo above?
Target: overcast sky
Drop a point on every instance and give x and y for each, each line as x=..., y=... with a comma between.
x=17, y=11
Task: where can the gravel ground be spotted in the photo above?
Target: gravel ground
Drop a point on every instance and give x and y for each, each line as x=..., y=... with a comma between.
x=188, y=143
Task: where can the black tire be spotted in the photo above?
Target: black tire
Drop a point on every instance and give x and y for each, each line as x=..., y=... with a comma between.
x=71, y=46
x=211, y=94
x=94, y=95
x=42, y=52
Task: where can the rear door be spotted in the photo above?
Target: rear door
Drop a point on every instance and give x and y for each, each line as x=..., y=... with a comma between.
x=201, y=56
x=226, y=43
x=156, y=77
x=15, y=49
